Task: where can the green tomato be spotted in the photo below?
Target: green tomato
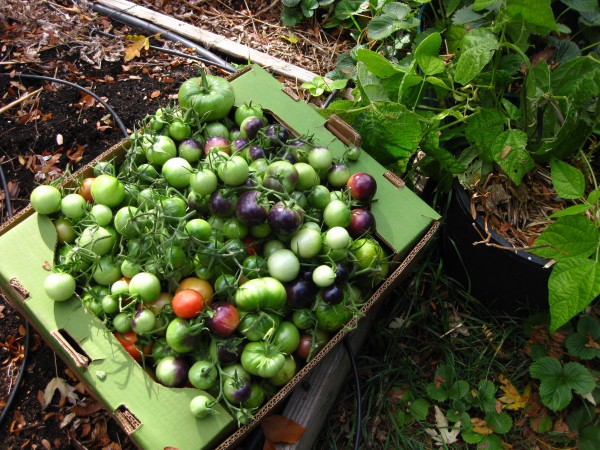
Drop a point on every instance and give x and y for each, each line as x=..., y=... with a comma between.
x=264, y=293
x=59, y=286
x=234, y=171
x=177, y=172
x=210, y=96
x=129, y=268
x=198, y=228
x=73, y=206
x=307, y=176
x=203, y=374
x=106, y=271
x=247, y=110
x=145, y=285
x=107, y=190
x=319, y=197
x=98, y=240
x=320, y=158
x=262, y=359
x=102, y=214
x=179, y=130
x=65, y=230
x=203, y=182
x=46, y=199
x=337, y=238
x=258, y=326
x=284, y=265
x=286, y=373
x=201, y=406
x=287, y=337
x=160, y=149
x=331, y=317
x=323, y=276
x=306, y=243
x=337, y=214
x=125, y=222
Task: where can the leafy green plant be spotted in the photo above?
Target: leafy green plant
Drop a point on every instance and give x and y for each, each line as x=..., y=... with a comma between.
x=319, y=85
x=573, y=241
x=295, y=11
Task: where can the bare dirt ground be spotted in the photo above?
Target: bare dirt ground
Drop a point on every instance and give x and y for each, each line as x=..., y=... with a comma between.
x=58, y=128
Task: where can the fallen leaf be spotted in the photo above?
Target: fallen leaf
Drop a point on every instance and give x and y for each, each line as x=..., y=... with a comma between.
x=66, y=391
x=155, y=94
x=137, y=43
x=480, y=426
x=512, y=398
x=86, y=410
x=444, y=433
x=280, y=429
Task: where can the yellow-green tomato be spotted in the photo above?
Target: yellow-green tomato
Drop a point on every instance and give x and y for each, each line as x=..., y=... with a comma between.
x=306, y=243
x=177, y=172
x=46, y=199
x=59, y=286
x=283, y=265
x=107, y=190
x=201, y=406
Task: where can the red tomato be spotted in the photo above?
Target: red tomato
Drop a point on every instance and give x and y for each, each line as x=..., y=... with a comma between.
x=128, y=341
x=199, y=285
x=252, y=245
x=187, y=303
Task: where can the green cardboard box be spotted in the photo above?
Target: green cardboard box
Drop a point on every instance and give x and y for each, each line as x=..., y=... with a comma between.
x=155, y=416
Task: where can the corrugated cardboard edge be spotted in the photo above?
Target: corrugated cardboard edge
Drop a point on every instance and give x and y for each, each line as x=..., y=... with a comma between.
x=400, y=273
x=342, y=130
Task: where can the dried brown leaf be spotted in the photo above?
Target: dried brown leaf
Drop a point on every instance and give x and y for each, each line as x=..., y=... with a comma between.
x=281, y=429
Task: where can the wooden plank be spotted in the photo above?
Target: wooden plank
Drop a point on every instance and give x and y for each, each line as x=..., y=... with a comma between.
x=311, y=402
x=211, y=41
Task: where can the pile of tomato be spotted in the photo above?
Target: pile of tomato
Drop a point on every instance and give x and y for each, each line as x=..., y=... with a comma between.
x=223, y=251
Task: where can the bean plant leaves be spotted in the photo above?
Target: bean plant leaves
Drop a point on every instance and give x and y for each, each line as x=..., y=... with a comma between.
x=390, y=132
x=557, y=381
x=427, y=57
x=483, y=128
x=510, y=152
x=568, y=181
x=370, y=86
x=573, y=284
x=477, y=49
x=394, y=17
x=581, y=5
x=376, y=63
x=535, y=12
x=568, y=237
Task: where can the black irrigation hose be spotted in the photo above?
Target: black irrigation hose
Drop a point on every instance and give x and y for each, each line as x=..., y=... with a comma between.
x=118, y=120
x=15, y=390
x=169, y=51
x=123, y=17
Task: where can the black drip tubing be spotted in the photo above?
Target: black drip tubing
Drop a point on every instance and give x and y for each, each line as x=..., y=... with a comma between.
x=148, y=26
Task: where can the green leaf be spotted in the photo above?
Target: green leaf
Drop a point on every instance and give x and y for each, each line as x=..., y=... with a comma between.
x=345, y=9
x=570, y=211
x=594, y=196
x=482, y=4
x=589, y=438
x=420, y=409
x=478, y=47
x=465, y=15
x=369, y=85
x=568, y=237
x=381, y=27
x=557, y=381
x=454, y=36
x=513, y=112
x=486, y=396
x=389, y=132
x=398, y=11
x=437, y=82
x=490, y=442
x=290, y=3
x=501, y=423
x=458, y=389
x=290, y=17
x=377, y=64
x=573, y=284
x=510, y=152
x=536, y=12
x=427, y=57
x=585, y=343
x=581, y=5
x=471, y=437
x=569, y=181
x=578, y=79
x=482, y=130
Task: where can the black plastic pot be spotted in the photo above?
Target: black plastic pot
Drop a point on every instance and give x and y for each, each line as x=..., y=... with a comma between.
x=509, y=280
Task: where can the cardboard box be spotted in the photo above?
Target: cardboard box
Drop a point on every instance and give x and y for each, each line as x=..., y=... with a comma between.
x=153, y=415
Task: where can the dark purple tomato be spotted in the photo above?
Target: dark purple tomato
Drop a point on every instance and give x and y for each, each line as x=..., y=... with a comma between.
x=342, y=272
x=238, y=144
x=276, y=135
x=333, y=294
x=224, y=320
x=362, y=186
x=256, y=152
x=217, y=143
x=362, y=222
x=284, y=220
x=226, y=351
x=250, y=126
x=197, y=203
x=222, y=204
x=249, y=209
x=236, y=389
x=300, y=293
